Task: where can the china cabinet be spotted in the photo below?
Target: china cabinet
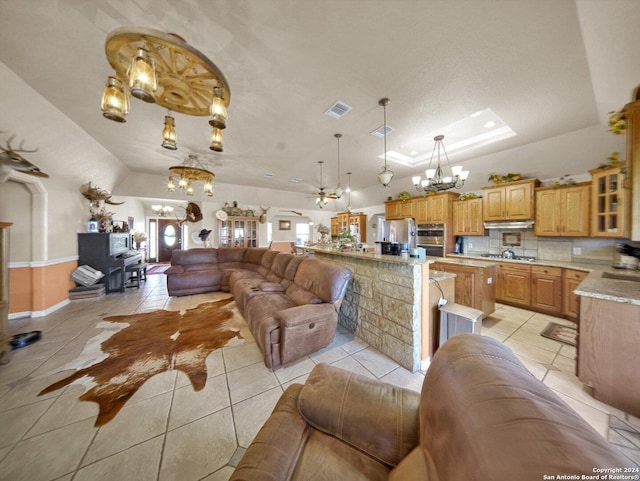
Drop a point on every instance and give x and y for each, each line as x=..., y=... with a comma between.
x=610, y=199
x=238, y=232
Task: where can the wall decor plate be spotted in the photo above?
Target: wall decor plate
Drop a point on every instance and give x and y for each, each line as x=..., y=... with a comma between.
x=221, y=215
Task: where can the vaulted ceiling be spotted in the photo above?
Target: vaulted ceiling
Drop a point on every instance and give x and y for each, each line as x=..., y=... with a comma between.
x=546, y=68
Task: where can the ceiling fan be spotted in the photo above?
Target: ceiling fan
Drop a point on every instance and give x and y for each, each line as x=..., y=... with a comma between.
x=322, y=196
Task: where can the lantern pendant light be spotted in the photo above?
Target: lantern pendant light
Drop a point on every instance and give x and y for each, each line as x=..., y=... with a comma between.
x=385, y=175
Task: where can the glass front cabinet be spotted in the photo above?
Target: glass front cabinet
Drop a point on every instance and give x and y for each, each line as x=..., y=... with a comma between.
x=238, y=232
x=610, y=202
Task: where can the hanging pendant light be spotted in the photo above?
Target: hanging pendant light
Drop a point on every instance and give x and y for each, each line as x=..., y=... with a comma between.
x=216, y=140
x=115, y=102
x=349, y=192
x=169, y=136
x=339, y=190
x=142, y=77
x=218, y=109
x=385, y=176
x=171, y=185
x=189, y=188
x=436, y=181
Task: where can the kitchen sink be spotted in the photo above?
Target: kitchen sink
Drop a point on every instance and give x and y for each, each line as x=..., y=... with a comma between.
x=621, y=277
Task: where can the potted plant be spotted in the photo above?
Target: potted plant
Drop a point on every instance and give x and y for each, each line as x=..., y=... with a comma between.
x=345, y=241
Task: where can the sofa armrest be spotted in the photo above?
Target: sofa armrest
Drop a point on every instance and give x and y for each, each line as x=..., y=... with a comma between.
x=299, y=315
x=273, y=453
x=174, y=270
x=375, y=417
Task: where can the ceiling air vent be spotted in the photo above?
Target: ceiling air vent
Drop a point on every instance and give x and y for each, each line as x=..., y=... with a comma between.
x=338, y=110
x=380, y=131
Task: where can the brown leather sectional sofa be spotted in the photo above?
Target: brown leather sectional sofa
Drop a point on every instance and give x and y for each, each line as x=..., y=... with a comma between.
x=290, y=302
x=481, y=416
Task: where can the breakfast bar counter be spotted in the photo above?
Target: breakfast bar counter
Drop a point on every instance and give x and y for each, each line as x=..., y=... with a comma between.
x=387, y=302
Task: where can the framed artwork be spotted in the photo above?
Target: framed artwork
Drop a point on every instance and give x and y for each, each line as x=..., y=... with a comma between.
x=284, y=225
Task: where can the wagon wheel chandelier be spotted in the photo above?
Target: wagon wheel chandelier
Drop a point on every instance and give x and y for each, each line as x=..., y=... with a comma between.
x=189, y=171
x=162, y=68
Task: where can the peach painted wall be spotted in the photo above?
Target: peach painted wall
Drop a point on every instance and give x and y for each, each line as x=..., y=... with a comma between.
x=39, y=288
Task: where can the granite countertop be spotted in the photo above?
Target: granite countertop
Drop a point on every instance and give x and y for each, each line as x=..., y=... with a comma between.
x=463, y=262
x=596, y=285
x=372, y=256
x=440, y=276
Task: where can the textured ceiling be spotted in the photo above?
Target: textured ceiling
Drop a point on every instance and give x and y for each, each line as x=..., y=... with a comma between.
x=544, y=67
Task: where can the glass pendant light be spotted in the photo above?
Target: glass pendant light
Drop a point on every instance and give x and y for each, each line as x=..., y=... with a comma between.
x=115, y=103
x=385, y=176
x=142, y=77
x=189, y=188
x=171, y=185
x=169, y=136
x=216, y=140
x=218, y=110
x=183, y=183
x=208, y=188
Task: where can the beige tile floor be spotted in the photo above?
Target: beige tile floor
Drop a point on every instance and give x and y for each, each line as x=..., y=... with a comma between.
x=169, y=432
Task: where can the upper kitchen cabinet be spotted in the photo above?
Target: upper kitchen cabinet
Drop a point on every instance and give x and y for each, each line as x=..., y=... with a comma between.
x=610, y=202
x=467, y=217
x=512, y=201
x=399, y=209
x=434, y=208
x=632, y=114
x=563, y=211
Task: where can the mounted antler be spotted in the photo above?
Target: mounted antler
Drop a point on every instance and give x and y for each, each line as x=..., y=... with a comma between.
x=263, y=218
x=11, y=159
x=96, y=194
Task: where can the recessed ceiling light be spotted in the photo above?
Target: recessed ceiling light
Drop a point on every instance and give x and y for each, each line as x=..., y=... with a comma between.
x=296, y=180
x=268, y=175
x=490, y=124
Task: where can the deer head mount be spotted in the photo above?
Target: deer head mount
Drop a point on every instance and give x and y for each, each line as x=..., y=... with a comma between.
x=263, y=217
x=96, y=194
x=10, y=158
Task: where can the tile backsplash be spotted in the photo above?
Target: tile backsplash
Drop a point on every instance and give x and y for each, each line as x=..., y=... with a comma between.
x=589, y=250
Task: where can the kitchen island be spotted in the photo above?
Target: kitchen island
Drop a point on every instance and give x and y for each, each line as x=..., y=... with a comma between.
x=609, y=337
x=387, y=303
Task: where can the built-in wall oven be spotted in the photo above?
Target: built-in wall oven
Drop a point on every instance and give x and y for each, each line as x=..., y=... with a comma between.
x=432, y=238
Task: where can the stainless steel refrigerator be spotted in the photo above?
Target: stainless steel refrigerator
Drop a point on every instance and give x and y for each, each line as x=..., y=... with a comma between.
x=397, y=236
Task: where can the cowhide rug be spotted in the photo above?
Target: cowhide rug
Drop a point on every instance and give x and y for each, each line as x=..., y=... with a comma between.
x=137, y=347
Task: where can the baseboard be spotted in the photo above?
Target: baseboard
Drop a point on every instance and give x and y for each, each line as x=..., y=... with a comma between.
x=45, y=312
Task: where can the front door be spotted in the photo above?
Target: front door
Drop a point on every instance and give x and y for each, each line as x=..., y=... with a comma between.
x=169, y=238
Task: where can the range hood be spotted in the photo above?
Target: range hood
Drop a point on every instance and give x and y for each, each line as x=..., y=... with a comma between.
x=510, y=224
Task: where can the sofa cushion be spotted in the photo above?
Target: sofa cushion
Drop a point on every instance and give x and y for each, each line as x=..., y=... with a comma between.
x=325, y=279
x=199, y=267
x=301, y=296
x=253, y=255
x=480, y=402
x=279, y=267
x=230, y=254
x=271, y=287
x=194, y=256
x=385, y=426
x=267, y=260
x=290, y=272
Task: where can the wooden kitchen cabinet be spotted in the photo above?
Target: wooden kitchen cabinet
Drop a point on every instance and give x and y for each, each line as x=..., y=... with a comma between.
x=546, y=289
x=335, y=226
x=474, y=285
x=467, y=217
x=358, y=226
x=399, y=209
x=434, y=208
x=608, y=343
x=563, y=211
x=610, y=199
x=571, y=279
x=513, y=283
x=512, y=201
